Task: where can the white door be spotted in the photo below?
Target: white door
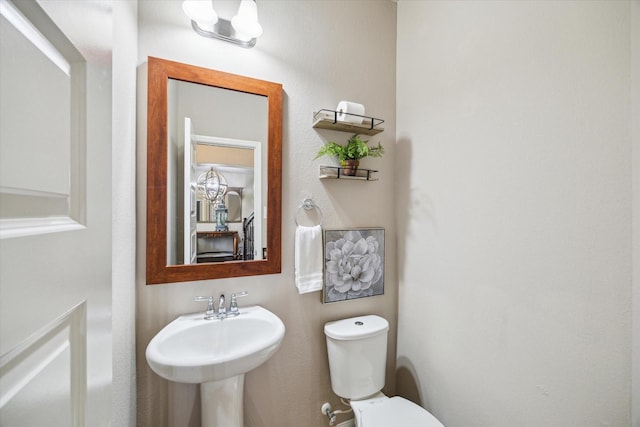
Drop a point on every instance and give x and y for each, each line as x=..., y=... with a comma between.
x=190, y=234
x=55, y=219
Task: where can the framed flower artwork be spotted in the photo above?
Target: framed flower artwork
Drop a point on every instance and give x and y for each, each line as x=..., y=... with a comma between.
x=353, y=264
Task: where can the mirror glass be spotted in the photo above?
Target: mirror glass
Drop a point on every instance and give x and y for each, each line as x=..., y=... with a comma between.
x=215, y=160
x=215, y=138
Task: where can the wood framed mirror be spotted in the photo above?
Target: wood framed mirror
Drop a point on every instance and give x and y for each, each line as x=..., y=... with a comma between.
x=191, y=112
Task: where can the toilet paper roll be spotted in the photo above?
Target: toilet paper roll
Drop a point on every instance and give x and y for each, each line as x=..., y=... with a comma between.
x=351, y=108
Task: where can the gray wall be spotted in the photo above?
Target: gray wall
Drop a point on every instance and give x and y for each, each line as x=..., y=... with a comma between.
x=514, y=142
x=322, y=52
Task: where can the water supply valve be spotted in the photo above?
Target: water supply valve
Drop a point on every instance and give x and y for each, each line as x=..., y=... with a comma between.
x=326, y=410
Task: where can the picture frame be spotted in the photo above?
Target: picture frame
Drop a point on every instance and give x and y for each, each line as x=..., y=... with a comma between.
x=353, y=263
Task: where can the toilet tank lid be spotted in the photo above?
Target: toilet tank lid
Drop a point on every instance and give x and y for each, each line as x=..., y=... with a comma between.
x=356, y=327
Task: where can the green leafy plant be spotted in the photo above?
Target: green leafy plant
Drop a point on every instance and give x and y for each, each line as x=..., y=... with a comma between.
x=355, y=149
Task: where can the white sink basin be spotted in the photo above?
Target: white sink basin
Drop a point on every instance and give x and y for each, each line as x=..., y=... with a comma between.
x=194, y=350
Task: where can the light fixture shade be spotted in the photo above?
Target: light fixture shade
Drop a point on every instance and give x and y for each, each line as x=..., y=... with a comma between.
x=246, y=21
x=200, y=11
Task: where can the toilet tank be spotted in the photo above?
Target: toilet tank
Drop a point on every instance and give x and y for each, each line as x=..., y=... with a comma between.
x=357, y=349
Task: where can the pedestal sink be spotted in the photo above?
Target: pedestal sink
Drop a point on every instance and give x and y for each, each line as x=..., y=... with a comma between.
x=216, y=354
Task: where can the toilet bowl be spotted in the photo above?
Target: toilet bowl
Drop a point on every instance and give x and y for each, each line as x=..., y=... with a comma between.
x=357, y=349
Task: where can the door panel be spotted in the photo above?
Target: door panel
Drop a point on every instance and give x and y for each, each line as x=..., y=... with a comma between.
x=42, y=79
x=55, y=281
x=47, y=370
x=189, y=184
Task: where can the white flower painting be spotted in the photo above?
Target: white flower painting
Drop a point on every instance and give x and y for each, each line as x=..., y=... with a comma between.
x=353, y=264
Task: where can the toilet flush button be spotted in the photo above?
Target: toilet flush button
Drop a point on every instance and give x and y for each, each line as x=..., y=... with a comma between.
x=359, y=323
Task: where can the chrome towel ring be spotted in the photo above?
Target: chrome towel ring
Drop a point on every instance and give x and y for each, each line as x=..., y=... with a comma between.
x=308, y=204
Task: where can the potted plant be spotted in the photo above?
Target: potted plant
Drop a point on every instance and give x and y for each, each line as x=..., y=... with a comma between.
x=349, y=155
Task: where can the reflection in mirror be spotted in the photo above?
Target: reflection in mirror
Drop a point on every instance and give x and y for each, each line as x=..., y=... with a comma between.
x=220, y=164
x=216, y=138
x=233, y=200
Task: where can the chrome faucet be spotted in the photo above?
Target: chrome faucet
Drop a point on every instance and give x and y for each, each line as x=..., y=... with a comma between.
x=222, y=310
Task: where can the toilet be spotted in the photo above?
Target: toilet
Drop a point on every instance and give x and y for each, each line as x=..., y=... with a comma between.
x=357, y=349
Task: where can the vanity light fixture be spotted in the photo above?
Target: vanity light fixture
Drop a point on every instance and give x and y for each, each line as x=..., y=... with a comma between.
x=242, y=30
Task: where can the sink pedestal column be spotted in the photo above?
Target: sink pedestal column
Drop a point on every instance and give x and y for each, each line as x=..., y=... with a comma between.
x=222, y=402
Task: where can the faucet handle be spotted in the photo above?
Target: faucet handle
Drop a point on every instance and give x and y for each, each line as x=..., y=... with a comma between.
x=233, y=306
x=211, y=312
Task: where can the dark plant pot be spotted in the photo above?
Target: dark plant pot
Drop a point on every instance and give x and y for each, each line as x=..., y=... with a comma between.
x=350, y=167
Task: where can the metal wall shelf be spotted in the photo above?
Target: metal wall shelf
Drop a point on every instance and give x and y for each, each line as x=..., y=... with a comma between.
x=328, y=119
x=334, y=172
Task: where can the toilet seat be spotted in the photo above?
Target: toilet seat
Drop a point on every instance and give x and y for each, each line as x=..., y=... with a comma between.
x=394, y=411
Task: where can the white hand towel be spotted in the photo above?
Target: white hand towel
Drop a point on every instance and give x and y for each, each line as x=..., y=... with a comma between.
x=308, y=260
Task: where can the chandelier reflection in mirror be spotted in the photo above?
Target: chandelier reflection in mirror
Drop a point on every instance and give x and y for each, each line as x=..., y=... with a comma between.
x=243, y=29
x=213, y=186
